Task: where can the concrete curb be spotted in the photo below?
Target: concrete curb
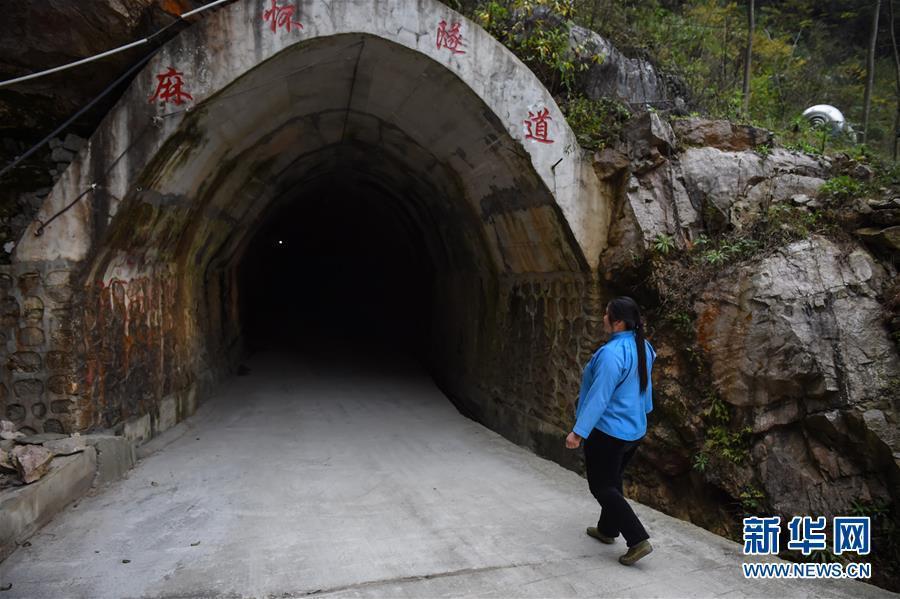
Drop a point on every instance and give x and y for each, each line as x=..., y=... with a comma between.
x=26, y=509
x=23, y=511
x=115, y=457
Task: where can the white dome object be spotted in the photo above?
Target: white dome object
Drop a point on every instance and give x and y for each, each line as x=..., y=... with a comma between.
x=822, y=114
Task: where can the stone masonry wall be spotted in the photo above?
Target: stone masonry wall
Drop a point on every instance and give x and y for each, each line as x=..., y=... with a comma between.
x=522, y=375
x=98, y=355
x=128, y=348
x=38, y=383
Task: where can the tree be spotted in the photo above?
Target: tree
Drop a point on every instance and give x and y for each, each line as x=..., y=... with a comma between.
x=751, y=29
x=896, y=137
x=870, y=71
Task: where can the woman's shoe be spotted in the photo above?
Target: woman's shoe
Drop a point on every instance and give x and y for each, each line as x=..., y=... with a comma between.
x=636, y=552
x=592, y=531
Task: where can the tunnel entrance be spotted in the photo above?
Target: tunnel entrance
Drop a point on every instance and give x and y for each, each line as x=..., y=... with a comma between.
x=412, y=209
x=341, y=266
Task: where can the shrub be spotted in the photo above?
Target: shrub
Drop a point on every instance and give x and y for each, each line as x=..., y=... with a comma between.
x=842, y=187
x=537, y=31
x=596, y=123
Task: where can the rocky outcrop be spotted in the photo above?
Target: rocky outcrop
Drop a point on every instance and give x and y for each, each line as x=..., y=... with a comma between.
x=735, y=188
x=787, y=398
x=633, y=81
x=680, y=192
x=29, y=457
x=888, y=237
x=31, y=461
x=795, y=342
x=63, y=32
x=722, y=135
x=802, y=325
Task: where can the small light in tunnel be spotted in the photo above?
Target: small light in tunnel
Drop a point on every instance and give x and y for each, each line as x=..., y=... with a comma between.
x=280, y=242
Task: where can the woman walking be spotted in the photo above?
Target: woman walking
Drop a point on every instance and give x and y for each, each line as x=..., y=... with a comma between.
x=611, y=418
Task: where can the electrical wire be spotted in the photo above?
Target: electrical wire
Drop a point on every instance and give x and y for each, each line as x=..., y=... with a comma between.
x=134, y=44
x=42, y=224
x=40, y=230
x=93, y=186
x=72, y=118
x=19, y=159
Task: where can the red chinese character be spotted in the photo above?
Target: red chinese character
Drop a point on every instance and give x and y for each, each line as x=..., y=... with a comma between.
x=280, y=16
x=537, y=126
x=449, y=38
x=169, y=90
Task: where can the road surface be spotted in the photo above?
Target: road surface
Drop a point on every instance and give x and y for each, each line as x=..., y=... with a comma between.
x=307, y=479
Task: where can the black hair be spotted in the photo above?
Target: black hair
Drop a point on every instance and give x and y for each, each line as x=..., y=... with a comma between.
x=627, y=310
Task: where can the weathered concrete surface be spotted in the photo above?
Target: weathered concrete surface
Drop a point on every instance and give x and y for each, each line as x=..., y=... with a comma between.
x=26, y=509
x=126, y=308
x=229, y=45
x=115, y=457
x=301, y=479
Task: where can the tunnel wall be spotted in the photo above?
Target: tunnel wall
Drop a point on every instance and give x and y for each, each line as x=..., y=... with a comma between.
x=106, y=355
x=38, y=381
x=517, y=351
x=231, y=43
x=149, y=322
x=139, y=353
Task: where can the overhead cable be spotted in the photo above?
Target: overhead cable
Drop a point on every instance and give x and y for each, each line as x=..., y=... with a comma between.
x=108, y=89
x=139, y=42
x=84, y=109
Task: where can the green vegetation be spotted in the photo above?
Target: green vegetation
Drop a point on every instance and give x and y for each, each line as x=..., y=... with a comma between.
x=752, y=499
x=785, y=223
x=733, y=446
x=682, y=321
x=596, y=123
x=805, y=52
x=763, y=150
x=726, y=249
x=537, y=31
x=842, y=187
x=701, y=461
x=664, y=244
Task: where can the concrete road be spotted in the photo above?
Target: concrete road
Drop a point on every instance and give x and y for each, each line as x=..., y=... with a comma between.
x=301, y=479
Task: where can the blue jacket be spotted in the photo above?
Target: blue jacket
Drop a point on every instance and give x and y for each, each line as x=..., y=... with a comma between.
x=610, y=397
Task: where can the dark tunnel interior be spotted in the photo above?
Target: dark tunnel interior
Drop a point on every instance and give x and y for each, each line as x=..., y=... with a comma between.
x=338, y=266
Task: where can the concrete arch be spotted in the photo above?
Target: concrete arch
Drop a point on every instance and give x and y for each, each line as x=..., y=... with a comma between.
x=226, y=46
x=141, y=277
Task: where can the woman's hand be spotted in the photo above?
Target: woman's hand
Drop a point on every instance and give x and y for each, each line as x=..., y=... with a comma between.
x=573, y=441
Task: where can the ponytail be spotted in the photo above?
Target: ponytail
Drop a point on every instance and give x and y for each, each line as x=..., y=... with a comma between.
x=626, y=310
x=641, y=353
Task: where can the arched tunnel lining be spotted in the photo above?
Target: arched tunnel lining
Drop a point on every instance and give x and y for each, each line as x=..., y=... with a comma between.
x=444, y=184
x=492, y=260
x=369, y=245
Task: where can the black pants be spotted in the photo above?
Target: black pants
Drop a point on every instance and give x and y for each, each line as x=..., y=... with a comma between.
x=605, y=458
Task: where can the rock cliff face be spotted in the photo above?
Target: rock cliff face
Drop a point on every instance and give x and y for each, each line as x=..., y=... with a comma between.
x=778, y=377
x=796, y=343
x=632, y=81
x=45, y=36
